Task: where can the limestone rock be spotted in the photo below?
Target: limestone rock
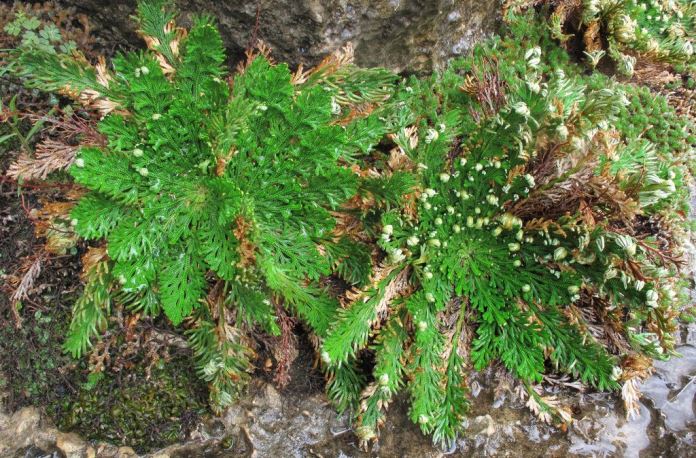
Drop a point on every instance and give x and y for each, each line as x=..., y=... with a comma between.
x=404, y=35
x=71, y=445
x=18, y=431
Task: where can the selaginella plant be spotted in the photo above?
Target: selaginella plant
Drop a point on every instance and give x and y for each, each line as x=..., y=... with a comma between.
x=623, y=30
x=502, y=210
x=213, y=197
x=524, y=243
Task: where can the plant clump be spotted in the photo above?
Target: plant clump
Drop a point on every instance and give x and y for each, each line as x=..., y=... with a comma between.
x=624, y=30
x=508, y=209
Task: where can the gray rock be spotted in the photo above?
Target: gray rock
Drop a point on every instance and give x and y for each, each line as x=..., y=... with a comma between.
x=403, y=35
x=18, y=431
x=71, y=445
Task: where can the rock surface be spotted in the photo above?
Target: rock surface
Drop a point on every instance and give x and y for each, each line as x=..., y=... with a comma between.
x=298, y=422
x=404, y=35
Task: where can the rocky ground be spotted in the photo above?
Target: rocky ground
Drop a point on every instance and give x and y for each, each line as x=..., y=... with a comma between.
x=298, y=422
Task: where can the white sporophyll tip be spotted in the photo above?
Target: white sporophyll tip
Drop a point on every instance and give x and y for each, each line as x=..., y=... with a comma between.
x=627, y=244
x=384, y=379
x=79, y=162
x=517, y=263
x=444, y=177
x=438, y=221
x=156, y=116
x=639, y=285
x=573, y=289
x=513, y=247
x=534, y=87
x=652, y=295
x=430, y=192
x=533, y=57
x=144, y=70
x=429, y=297
x=530, y=180
x=492, y=199
x=423, y=419
x=73, y=222
x=435, y=242
x=616, y=373
x=478, y=167
x=326, y=357
x=559, y=254
x=600, y=243
x=388, y=229
x=456, y=228
x=137, y=152
x=521, y=109
x=412, y=241
x=431, y=135
x=462, y=162
x=611, y=273
x=397, y=255
x=562, y=132
x=450, y=210
x=526, y=288
x=144, y=172
x=428, y=275
x=335, y=107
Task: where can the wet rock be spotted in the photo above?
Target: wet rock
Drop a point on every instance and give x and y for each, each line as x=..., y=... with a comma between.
x=17, y=431
x=411, y=35
x=299, y=422
x=71, y=445
x=126, y=452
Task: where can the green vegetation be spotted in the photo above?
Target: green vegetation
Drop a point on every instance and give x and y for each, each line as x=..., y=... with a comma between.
x=514, y=208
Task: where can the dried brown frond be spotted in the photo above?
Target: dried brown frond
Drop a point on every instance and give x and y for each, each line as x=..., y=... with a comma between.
x=548, y=408
x=260, y=49
x=180, y=34
x=348, y=225
x=630, y=394
x=246, y=249
x=399, y=161
x=99, y=355
x=50, y=156
x=569, y=183
x=32, y=271
x=222, y=161
x=327, y=67
x=591, y=38
x=93, y=99
x=94, y=258
x=356, y=112
x=284, y=347
x=57, y=152
x=487, y=87
x=52, y=222
x=300, y=76
x=398, y=286
x=516, y=6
